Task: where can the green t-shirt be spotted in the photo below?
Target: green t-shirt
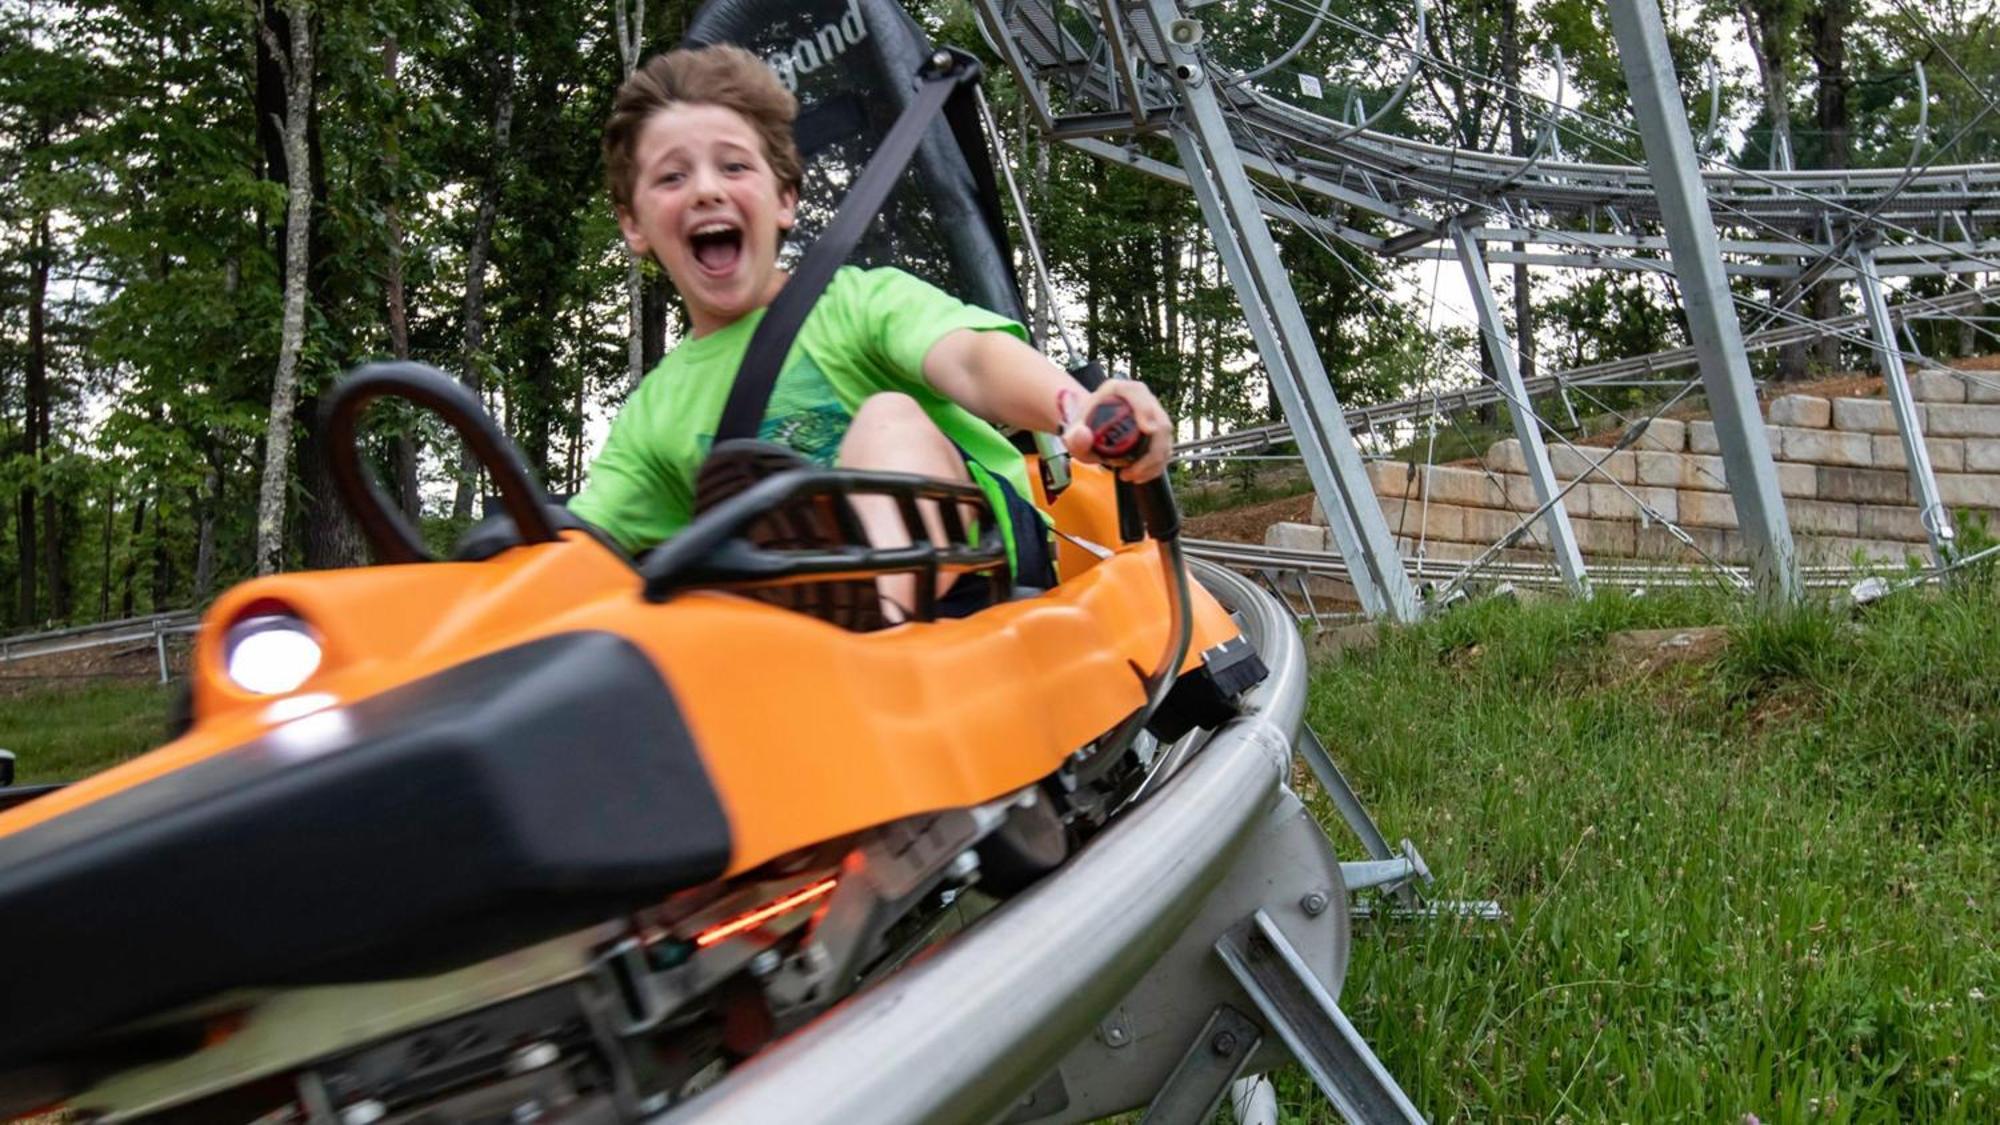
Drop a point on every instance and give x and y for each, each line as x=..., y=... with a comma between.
x=868, y=334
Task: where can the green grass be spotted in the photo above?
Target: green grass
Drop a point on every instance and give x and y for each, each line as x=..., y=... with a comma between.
x=1764, y=884
x=63, y=733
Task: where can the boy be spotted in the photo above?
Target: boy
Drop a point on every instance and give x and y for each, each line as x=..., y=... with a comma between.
x=887, y=373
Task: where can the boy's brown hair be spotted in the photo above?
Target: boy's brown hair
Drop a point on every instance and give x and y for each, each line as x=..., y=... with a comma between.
x=723, y=75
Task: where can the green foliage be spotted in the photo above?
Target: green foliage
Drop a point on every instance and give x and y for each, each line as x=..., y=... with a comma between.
x=1759, y=883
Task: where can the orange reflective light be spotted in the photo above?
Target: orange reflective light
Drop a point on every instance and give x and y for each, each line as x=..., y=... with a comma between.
x=763, y=913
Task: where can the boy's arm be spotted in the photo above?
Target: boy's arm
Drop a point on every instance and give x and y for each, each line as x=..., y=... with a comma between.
x=1001, y=379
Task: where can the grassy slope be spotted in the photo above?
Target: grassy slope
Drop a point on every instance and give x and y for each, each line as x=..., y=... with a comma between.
x=59, y=734
x=1761, y=885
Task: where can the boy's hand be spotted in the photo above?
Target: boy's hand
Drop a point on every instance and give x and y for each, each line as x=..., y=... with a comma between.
x=1158, y=430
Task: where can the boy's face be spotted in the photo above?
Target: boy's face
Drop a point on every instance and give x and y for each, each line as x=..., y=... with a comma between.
x=707, y=207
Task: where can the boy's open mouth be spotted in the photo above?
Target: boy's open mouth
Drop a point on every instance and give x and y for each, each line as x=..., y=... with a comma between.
x=717, y=246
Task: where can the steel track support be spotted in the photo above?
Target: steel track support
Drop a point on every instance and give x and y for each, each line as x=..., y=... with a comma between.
x=1215, y=171
x=1297, y=1007
x=1527, y=429
x=1916, y=455
x=1704, y=285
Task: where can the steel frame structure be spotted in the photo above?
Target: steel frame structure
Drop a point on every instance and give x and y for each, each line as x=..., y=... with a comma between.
x=1103, y=76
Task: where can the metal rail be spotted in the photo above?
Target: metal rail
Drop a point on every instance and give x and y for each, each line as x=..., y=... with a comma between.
x=1603, y=572
x=960, y=1036
x=155, y=628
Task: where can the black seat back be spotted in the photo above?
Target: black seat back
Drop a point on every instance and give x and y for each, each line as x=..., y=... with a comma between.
x=853, y=65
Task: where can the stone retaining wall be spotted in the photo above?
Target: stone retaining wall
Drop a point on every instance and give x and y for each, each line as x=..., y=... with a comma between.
x=1840, y=466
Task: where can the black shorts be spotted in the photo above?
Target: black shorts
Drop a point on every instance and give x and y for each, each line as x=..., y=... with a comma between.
x=1030, y=553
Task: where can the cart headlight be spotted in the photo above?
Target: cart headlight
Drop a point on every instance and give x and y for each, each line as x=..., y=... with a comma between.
x=270, y=652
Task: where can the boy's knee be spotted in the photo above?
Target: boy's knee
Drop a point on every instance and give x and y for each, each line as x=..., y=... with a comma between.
x=890, y=408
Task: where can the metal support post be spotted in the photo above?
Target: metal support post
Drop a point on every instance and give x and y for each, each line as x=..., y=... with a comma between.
x=1916, y=455
x=1527, y=429
x=1305, y=1016
x=1712, y=325
x=1271, y=310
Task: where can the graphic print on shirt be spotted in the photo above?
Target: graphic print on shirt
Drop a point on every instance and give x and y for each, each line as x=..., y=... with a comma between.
x=803, y=415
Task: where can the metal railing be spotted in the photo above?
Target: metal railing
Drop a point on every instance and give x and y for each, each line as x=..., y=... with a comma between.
x=155, y=628
x=1605, y=572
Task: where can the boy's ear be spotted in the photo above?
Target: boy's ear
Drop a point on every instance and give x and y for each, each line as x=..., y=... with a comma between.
x=634, y=237
x=788, y=208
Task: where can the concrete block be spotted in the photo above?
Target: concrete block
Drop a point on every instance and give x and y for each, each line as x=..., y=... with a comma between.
x=1570, y=463
x=1704, y=472
x=1707, y=509
x=1879, y=521
x=1614, y=538
x=1299, y=537
x=1823, y=517
x=1484, y=525
x=1966, y=490
x=1701, y=438
x=1506, y=456
x=1796, y=479
x=1825, y=447
x=1428, y=520
x=1864, y=486
x=1809, y=411
x=1392, y=478
x=1608, y=501
x=1668, y=470
x=1982, y=386
x=1663, y=435
x=1468, y=487
x=1440, y=549
x=1843, y=549
x=1936, y=386
x=1947, y=454
x=1868, y=416
x=1660, y=544
x=1521, y=497
x=1982, y=455
x=1949, y=420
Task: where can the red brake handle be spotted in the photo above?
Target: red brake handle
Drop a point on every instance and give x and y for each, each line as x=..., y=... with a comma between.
x=1115, y=436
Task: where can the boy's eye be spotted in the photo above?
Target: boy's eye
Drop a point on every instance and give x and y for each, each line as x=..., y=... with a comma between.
x=671, y=177
x=736, y=166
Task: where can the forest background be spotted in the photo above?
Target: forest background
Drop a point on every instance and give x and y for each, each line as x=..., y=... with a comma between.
x=209, y=209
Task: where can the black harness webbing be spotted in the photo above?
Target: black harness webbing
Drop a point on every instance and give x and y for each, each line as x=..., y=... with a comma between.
x=944, y=75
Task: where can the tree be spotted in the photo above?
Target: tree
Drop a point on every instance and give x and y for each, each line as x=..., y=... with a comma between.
x=294, y=61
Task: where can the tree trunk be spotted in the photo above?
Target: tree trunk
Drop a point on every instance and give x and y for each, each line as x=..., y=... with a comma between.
x=331, y=540
x=208, y=499
x=1767, y=45
x=35, y=428
x=55, y=542
x=1967, y=341
x=1517, y=138
x=298, y=69
x=475, y=261
x=163, y=561
x=104, y=587
x=402, y=444
x=132, y=556
x=1827, y=23
x=656, y=323
x=629, y=28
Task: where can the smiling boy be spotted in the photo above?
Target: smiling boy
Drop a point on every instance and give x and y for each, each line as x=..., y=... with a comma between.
x=887, y=373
